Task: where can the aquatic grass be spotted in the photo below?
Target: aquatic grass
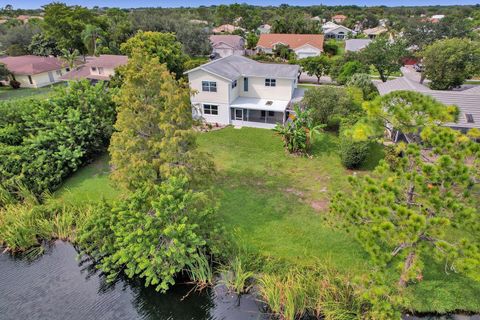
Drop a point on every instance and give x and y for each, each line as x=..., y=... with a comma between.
x=200, y=272
x=22, y=225
x=320, y=292
x=234, y=276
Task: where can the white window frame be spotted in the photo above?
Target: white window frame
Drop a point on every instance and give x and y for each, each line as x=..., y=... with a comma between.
x=234, y=84
x=210, y=109
x=209, y=86
x=269, y=82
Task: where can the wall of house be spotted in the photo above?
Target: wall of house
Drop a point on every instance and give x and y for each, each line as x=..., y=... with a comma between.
x=307, y=51
x=257, y=89
x=223, y=87
x=40, y=79
x=106, y=71
x=222, y=118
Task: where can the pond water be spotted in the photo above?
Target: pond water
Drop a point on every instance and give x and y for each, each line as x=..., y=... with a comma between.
x=58, y=286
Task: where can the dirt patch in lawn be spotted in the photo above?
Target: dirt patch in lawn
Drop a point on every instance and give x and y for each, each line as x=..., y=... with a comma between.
x=320, y=205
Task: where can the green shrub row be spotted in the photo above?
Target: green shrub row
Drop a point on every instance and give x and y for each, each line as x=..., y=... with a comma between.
x=43, y=141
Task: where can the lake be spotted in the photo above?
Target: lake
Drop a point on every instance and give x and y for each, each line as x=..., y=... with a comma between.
x=59, y=286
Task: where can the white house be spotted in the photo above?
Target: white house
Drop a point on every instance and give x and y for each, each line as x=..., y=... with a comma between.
x=97, y=68
x=264, y=28
x=243, y=92
x=35, y=71
x=227, y=45
x=304, y=45
x=332, y=30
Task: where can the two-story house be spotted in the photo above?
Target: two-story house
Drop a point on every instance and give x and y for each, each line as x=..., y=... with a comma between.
x=242, y=92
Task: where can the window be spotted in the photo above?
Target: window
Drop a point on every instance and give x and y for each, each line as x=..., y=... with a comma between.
x=245, y=84
x=67, y=69
x=210, y=109
x=271, y=113
x=270, y=82
x=209, y=86
x=94, y=69
x=30, y=79
x=58, y=72
x=469, y=117
x=234, y=84
x=100, y=70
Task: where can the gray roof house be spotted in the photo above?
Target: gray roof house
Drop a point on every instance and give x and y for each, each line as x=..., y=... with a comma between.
x=227, y=45
x=467, y=101
x=356, y=44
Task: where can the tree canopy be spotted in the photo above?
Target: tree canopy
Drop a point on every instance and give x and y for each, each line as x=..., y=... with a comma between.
x=448, y=63
x=163, y=46
x=385, y=56
x=154, y=137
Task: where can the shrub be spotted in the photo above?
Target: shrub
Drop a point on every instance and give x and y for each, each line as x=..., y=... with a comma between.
x=353, y=153
x=43, y=141
x=15, y=84
x=328, y=104
x=155, y=233
x=331, y=47
x=364, y=83
x=349, y=69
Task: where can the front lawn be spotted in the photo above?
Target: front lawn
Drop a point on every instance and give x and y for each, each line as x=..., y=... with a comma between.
x=272, y=203
x=7, y=93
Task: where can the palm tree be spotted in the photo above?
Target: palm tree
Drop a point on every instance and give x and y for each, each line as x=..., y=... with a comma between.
x=70, y=58
x=90, y=35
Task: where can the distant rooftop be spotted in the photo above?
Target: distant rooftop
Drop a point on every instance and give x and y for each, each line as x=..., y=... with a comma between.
x=28, y=65
x=356, y=44
x=233, y=67
x=467, y=101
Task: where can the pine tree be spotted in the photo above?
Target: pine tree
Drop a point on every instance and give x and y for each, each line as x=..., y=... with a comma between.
x=154, y=138
x=420, y=208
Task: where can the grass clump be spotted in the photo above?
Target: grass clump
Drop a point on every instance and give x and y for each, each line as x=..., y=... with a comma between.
x=321, y=293
x=235, y=277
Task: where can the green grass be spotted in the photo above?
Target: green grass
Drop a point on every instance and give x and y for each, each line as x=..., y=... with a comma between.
x=90, y=183
x=272, y=204
x=374, y=73
x=7, y=93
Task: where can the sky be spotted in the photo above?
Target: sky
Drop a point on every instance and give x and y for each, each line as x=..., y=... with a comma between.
x=33, y=4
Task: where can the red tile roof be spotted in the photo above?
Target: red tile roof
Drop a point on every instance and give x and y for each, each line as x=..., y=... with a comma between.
x=28, y=65
x=292, y=40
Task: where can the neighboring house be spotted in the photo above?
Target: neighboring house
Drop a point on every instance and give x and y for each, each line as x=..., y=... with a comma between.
x=25, y=18
x=304, y=45
x=374, y=32
x=225, y=28
x=243, y=92
x=264, y=28
x=97, y=68
x=355, y=45
x=227, y=45
x=339, y=18
x=35, y=71
x=467, y=101
x=334, y=31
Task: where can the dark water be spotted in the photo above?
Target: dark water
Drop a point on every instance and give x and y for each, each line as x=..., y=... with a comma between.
x=57, y=286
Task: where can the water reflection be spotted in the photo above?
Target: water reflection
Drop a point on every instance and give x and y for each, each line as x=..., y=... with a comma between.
x=58, y=286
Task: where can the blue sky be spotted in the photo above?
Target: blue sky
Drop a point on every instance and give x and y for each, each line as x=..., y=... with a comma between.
x=178, y=3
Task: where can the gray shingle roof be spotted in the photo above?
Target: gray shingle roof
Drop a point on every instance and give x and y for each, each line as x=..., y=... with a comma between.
x=233, y=67
x=356, y=44
x=467, y=101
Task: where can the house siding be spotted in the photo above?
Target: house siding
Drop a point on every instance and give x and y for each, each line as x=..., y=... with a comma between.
x=257, y=89
x=219, y=97
x=39, y=80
